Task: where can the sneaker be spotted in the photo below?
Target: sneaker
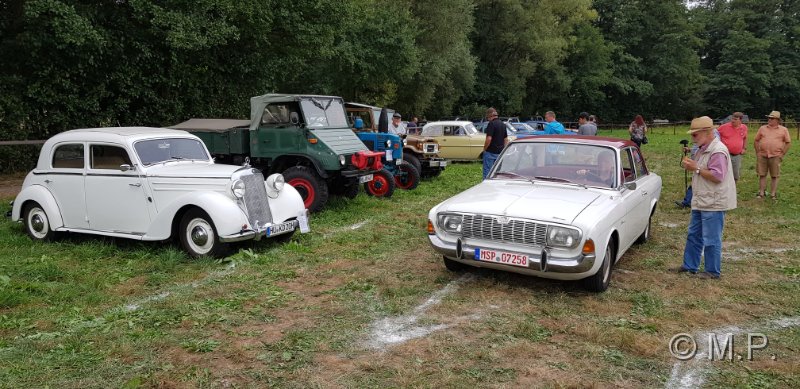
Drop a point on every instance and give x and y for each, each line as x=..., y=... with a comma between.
x=708, y=276
x=681, y=269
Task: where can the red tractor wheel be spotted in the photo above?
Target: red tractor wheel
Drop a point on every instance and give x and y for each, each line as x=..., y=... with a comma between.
x=312, y=188
x=382, y=184
x=408, y=178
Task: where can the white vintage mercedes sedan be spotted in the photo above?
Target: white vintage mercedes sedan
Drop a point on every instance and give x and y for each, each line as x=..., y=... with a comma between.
x=152, y=184
x=561, y=207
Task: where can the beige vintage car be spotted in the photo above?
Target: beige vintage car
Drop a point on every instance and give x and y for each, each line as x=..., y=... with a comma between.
x=458, y=140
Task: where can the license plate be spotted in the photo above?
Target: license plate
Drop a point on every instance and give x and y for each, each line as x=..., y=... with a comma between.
x=364, y=179
x=280, y=228
x=434, y=163
x=501, y=257
x=443, y=163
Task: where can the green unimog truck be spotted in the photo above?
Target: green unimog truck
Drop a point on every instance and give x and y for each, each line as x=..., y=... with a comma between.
x=305, y=137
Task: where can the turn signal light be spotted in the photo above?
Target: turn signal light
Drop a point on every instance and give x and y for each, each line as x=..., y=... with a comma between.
x=397, y=145
x=313, y=141
x=430, y=228
x=588, y=247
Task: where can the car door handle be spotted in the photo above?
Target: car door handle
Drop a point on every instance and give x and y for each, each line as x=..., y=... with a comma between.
x=644, y=193
x=138, y=184
x=47, y=181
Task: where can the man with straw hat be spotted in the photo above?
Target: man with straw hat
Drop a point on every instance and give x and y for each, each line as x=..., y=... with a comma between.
x=771, y=144
x=714, y=194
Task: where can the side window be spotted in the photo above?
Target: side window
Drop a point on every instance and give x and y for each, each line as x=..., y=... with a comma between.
x=628, y=169
x=68, y=156
x=641, y=170
x=448, y=130
x=459, y=131
x=280, y=114
x=108, y=157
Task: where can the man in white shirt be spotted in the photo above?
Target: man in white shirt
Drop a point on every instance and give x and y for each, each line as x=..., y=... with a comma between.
x=396, y=127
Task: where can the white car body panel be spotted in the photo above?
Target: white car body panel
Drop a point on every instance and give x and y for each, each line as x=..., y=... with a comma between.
x=143, y=203
x=599, y=213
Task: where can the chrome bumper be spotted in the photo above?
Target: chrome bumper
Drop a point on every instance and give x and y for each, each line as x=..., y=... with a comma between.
x=539, y=263
x=255, y=234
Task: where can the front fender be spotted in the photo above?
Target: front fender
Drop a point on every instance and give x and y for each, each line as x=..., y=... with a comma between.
x=287, y=205
x=225, y=213
x=41, y=195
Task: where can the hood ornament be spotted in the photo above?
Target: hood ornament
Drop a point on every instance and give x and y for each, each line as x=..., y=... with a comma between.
x=502, y=220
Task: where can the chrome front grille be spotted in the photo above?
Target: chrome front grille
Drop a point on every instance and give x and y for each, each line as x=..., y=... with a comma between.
x=515, y=231
x=255, y=200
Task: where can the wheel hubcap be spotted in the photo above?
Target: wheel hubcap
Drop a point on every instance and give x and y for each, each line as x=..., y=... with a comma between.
x=199, y=236
x=37, y=223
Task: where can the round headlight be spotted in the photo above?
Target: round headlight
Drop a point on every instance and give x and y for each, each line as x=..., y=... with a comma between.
x=238, y=188
x=278, y=183
x=388, y=144
x=274, y=184
x=341, y=159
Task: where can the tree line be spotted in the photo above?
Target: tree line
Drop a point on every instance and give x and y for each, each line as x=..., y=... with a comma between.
x=72, y=64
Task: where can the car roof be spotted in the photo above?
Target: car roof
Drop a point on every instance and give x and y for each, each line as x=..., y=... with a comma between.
x=617, y=143
x=449, y=123
x=113, y=134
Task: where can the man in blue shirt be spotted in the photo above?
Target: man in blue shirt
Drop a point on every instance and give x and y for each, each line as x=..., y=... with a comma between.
x=552, y=127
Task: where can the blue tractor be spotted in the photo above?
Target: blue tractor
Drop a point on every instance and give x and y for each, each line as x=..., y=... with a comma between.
x=396, y=172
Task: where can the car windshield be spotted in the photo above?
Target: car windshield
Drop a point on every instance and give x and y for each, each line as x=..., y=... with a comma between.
x=582, y=164
x=161, y=150
x=523, y=127
x=322, y=112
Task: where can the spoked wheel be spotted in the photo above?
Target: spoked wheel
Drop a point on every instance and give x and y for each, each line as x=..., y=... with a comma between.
x=309, y=185
x=382, y=184
x=37, y=224
x=408, y=178
x=198, y=235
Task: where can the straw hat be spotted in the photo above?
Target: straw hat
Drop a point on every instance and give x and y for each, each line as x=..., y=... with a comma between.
x=700, y=124
x=774, y=115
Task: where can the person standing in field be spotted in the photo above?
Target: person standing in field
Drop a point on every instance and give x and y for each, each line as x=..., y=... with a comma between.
x=771, y=144
x=733, y=135
x=553, y=127
x=714, y=194
x=496, y=140
x=638, y=131
x=585, y=126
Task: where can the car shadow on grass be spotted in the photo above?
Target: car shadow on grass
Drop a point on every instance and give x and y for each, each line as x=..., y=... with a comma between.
x=531, y=283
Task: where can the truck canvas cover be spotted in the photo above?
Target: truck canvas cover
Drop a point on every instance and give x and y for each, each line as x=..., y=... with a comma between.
x=210, y=125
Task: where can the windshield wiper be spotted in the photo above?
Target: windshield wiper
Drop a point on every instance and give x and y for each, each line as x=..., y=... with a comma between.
x=512, y=174
x=558, y=179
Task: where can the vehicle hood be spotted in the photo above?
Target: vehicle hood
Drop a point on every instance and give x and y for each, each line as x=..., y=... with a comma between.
x=184, y=169
x=547, y=202
x=339, y=140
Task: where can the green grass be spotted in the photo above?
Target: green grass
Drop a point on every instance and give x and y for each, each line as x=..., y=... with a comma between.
x=99, y=312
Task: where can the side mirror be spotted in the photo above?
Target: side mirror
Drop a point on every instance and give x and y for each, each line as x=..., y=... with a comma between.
x=126, y=167
x=630, y=185
x=294, y=118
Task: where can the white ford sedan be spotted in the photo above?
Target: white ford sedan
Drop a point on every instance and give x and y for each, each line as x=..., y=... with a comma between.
x=152, y=184
x=561, y=207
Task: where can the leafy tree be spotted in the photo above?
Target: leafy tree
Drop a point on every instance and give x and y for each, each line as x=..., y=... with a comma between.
x=520, y=46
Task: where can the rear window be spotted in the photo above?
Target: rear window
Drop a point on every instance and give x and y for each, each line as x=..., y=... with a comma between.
x=68, y=156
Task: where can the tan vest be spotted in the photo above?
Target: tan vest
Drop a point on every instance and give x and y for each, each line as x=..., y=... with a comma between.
x=706, y=195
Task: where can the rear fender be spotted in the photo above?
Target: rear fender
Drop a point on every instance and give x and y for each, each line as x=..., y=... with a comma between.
x=41, y=195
